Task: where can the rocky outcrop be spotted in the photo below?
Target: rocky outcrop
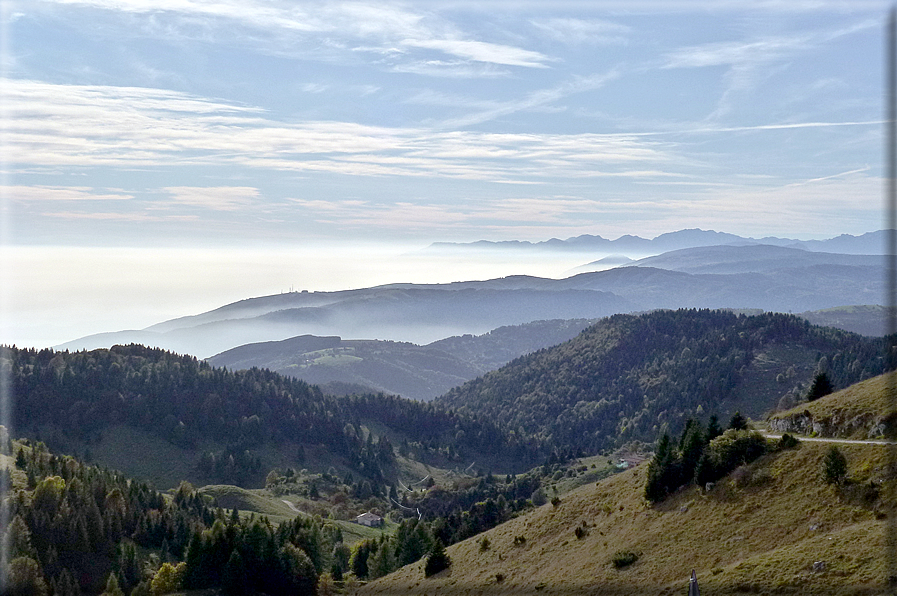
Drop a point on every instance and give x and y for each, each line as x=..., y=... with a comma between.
x=839, y=423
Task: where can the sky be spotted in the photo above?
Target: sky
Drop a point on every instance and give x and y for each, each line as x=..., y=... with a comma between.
x=165, y=157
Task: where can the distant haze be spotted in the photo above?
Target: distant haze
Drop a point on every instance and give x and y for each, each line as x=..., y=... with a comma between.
x=59, y=294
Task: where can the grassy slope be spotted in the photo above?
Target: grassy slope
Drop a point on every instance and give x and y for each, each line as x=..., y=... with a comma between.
x=756, y=538
x=868, y=397
x=262, y=502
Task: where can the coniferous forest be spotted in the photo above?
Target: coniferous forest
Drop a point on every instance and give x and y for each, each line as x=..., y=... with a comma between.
x=189, y=402
x=635, y=377
x=78, y=528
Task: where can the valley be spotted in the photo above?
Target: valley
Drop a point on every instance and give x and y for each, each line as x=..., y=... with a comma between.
x=508, y=445
x=364, y=297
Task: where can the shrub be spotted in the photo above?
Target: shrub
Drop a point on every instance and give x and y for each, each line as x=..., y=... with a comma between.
x=484, y=544
x=787, y=442
x=728, y=451
x=538, y=497
x=437, y=561
x=555, y=501
x=499, y=577
x=519, y=540
x=581, y=532
x=624, y=558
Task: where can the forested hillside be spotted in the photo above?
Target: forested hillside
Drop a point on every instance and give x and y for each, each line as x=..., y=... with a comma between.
x=230, y=420
x=76, y=528
x=635, y=377
x=400, y=368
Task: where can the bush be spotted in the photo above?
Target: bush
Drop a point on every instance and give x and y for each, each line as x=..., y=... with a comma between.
x=728, y=451
x=787, y=442
x=624, y=558
x=437, y=561
x=555, y=501
x=519, y=540
x=484, y=544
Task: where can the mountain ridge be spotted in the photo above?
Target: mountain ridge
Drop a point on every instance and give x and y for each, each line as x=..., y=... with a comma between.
x=781, y=279
x=867, y=243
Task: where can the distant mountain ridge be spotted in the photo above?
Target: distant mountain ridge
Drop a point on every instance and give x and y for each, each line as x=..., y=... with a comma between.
x=399, y=368
x=737, y=276
x=868, y=243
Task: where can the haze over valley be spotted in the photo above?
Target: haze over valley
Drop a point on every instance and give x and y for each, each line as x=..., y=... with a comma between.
x=375, y=297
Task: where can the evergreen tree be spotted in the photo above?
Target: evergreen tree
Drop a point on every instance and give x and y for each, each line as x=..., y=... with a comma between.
x=234, y=577
x=112, y=588
x=438, y=560
x=360, y=555
x=821, y=386
x=713, y=428
x=24, y=578
x=659, y=471
x=834, y=466
x=738, y=422
x=691, y=447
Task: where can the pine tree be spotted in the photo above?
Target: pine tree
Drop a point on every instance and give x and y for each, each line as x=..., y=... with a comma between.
x=234, y=578
x=834, y=466
x=438, y=560
x=738, y=422
x=657, y=488
x=713, y=428
x=821, y=386
x=112, y=588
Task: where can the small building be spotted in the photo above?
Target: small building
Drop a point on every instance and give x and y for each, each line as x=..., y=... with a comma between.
x=369, y=519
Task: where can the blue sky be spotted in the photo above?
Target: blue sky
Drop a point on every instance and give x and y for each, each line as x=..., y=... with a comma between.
x=241, y=125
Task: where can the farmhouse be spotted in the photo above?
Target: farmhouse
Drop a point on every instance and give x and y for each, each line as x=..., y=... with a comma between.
x=369, y=519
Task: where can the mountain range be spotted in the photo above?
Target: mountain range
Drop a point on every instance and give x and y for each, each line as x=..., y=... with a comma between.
x=750, y=276
x=864, y=244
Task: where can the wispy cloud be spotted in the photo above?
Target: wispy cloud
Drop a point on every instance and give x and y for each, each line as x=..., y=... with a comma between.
x=218, y=198
x=482, y=52
x=732, y=53
x=452, y=69
x=39, y=194
x=60, y=125
x=315, y=87
x=532, y=211
x=580, y=31
x=119, y=216
x=536, y=99
x=749, y=62
x=383, y=27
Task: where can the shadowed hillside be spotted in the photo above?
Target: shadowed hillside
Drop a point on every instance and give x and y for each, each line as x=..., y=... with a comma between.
x=400, y=368
x=169, y=417
x=635, y=377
